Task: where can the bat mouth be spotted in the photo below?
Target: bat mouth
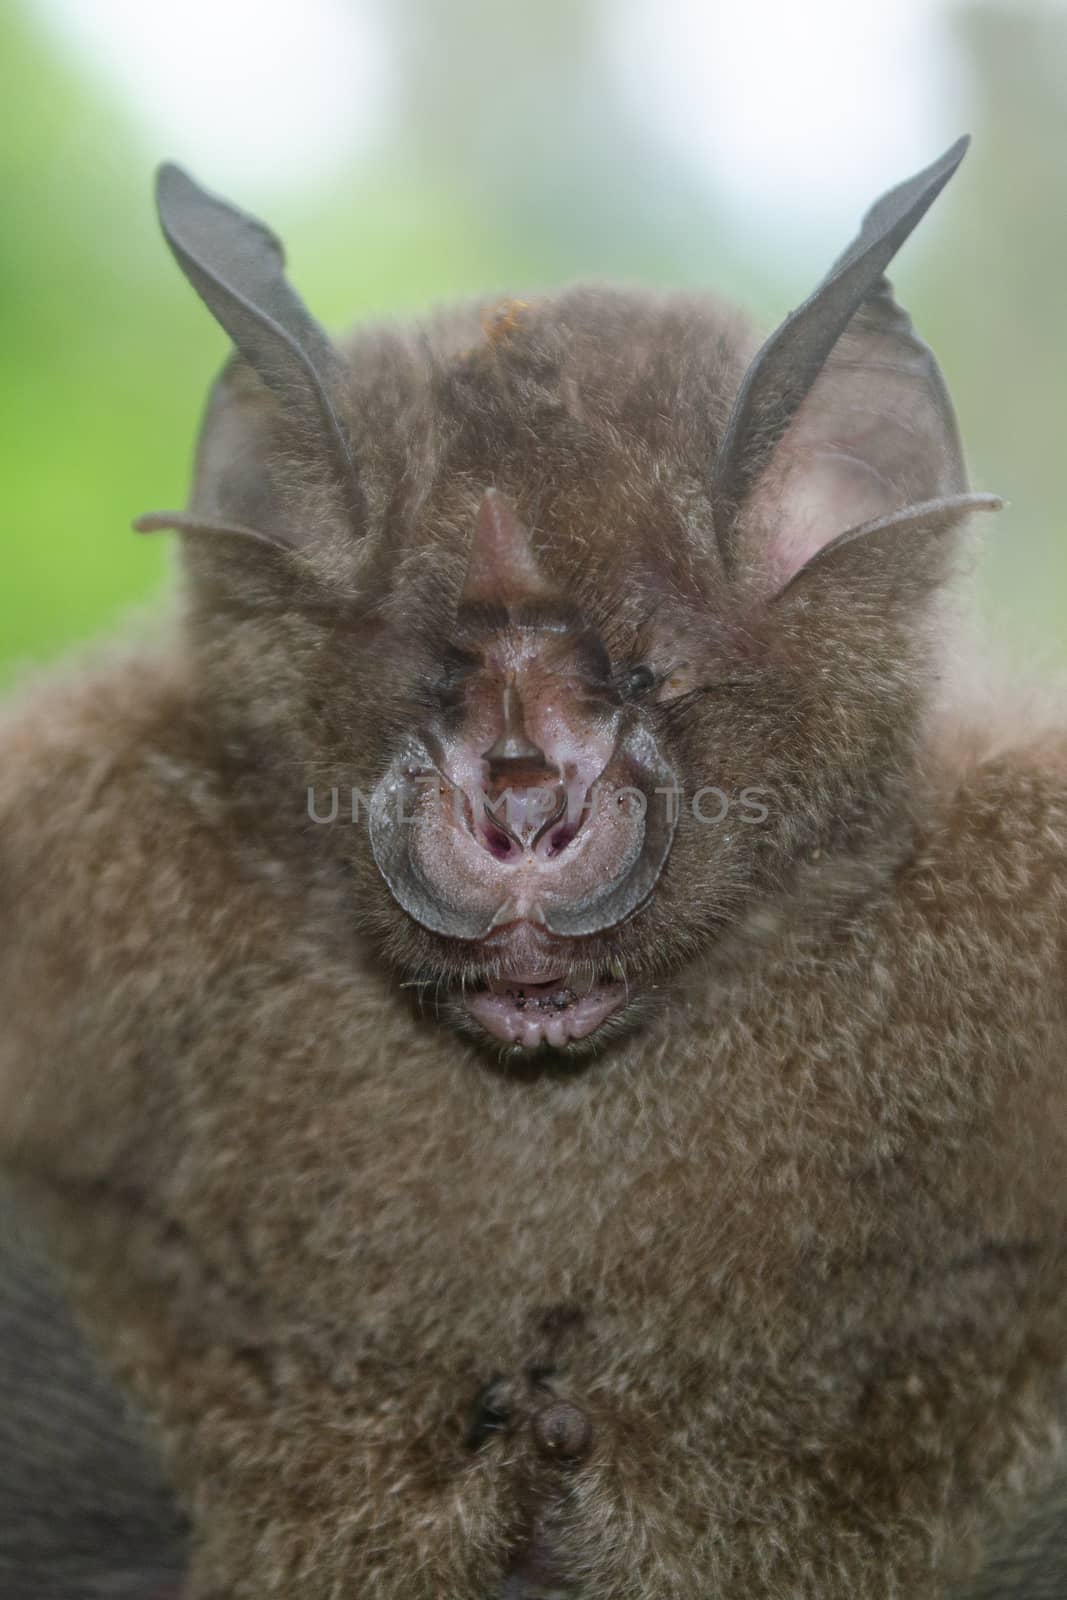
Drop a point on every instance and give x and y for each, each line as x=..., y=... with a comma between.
x=543, y=1008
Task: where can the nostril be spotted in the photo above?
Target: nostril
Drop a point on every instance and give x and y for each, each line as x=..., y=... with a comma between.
x=564, y=826
x=496, y=838
x=560, y=838
x=523, y=816
x=551, y=807
x=539, y=821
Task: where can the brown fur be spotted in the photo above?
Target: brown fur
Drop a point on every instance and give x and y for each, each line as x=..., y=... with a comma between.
x=793, y=1240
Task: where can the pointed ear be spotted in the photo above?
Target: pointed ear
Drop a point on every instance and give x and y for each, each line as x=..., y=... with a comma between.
x=843, y=420
x=287, y=401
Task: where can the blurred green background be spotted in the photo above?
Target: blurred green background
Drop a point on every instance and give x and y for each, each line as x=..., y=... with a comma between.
x=410, y=151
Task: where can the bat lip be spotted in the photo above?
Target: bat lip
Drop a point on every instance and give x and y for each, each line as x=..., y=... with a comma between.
x=556, y=1010
x=542, y=977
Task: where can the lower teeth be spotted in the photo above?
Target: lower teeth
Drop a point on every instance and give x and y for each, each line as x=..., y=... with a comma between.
x=543, y=1002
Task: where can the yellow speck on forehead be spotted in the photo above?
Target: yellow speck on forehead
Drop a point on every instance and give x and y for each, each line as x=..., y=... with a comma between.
x=502, y=318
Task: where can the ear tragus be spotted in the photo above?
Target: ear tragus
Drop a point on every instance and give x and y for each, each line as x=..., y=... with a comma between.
x=236, y=265
x=842, y=419
x=885, y=548
x=189, y=523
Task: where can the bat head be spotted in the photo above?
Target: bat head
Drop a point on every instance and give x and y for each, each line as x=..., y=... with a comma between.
x=585, y=627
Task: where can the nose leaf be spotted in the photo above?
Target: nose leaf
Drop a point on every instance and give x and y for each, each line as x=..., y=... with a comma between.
x=438, y=904
x=513, y=751
x=502, y=568
x=518, y=799
x=637, y=769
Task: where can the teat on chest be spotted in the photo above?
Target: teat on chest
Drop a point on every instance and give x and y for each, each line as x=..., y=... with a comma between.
x=541, y=1430
x=543, y=1438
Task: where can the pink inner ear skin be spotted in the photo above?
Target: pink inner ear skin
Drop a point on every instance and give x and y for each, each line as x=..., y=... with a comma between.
x=808, y=500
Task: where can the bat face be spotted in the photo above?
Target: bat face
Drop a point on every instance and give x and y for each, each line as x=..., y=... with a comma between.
x=608, y=630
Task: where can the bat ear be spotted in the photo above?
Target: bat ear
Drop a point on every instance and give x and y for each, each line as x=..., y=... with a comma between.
x=843, y=422
x=243, y=491
x=286, y=403
x=242, y=437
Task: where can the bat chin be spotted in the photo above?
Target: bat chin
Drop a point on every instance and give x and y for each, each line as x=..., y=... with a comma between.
x=535, y=1008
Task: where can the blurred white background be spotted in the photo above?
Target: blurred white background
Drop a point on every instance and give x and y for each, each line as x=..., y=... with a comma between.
x=414, y=150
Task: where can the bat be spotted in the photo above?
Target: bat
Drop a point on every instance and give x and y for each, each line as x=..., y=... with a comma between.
x=535, y=1007
x=86, y=1512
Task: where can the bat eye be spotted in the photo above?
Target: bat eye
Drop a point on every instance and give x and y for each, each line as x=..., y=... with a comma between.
x=457, y=668
x=639, y=680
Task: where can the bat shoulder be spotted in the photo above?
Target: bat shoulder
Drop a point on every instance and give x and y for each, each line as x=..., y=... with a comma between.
x=1004, y=768
x=1000, y=832
x=97, y=831
x=82, y=750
